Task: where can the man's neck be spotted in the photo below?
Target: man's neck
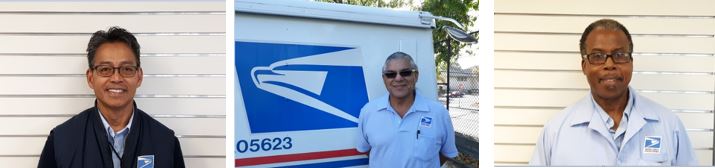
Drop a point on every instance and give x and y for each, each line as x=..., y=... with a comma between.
x=118, y=118
x=401, y=105
x=614, y=107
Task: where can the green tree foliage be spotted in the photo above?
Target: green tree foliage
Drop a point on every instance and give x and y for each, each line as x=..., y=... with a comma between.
x=457, y=10
x=373, y=3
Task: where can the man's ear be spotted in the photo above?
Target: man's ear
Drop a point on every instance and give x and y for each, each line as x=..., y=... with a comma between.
x=90, y=78
x=583, y=66
x=417, y=75
x=140, y=77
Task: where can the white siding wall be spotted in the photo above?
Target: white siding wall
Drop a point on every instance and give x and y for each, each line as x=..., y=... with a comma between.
x=43, y=60
x=537, y=64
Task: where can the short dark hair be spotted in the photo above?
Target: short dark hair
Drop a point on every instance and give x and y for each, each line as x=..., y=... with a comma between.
x=609, y=24
x=114, y=34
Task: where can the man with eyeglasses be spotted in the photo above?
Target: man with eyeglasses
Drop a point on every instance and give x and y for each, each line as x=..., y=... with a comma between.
x=114, y=133
x=613, y=125
x=403, y=129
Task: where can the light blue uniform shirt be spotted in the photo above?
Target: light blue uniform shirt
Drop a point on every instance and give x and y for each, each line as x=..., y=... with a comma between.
x=394, y=142
x=116, y=139
x=649, y=135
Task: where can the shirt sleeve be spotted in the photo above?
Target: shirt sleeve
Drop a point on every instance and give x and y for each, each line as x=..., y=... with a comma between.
x=362, y=145
x=449, y=148
x=685, y=155
x=541, y=155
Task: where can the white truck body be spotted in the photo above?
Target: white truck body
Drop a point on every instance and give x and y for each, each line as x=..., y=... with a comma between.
x=303, y=71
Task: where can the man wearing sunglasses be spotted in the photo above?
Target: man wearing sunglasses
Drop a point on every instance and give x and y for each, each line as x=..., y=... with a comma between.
x=403, y=129
x=613, y=125
x=114, y=133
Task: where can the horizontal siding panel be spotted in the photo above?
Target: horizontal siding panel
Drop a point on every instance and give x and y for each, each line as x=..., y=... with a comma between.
x=536, y=98
x=205, y=162
x=509, y=154
x=563, y=98
x=198, y=126
x=78, y=65
x=635, y=7
x=22, y=145
x=57, y=23
x=153, y=106
x=535, y=79
x=78, y=85
x=513, y=153
x=78, y=44
x=523, y=116
x=569, y=43
x=577, y=80
x=115, y=6
x=572, y=61
x=570, y=24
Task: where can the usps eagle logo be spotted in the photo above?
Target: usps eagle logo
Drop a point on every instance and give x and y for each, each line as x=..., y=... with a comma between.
x=652, y=145
x=292, y=87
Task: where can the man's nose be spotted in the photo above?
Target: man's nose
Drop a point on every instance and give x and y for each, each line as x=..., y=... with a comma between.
x=116, y=77
x=609, y=64
x=399, y=77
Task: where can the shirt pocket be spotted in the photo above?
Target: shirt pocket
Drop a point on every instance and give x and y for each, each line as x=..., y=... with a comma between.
x=426, y=148
x=660, y=159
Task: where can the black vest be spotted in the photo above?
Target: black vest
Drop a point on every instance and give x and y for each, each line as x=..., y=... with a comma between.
x=82, y=142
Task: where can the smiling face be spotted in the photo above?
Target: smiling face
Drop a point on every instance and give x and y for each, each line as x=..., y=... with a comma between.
x=115, y=91
x=608, y=80
x=400, y=87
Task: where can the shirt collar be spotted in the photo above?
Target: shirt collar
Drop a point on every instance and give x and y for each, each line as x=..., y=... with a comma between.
x=109, y=128
x=626, y=111
x=584, y=113
x=419, y=104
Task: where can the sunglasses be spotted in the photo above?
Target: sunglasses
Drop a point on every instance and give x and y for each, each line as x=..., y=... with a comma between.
x=403, y=73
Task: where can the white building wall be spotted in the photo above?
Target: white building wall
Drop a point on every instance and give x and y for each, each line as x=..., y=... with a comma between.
x=43, y=63
x=537, y=64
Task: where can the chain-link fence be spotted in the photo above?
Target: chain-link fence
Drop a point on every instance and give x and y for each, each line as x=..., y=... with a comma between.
x=459, y=91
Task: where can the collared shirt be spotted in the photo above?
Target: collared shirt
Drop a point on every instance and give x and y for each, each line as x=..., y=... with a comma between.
x=580, y=135
x=617, y=134
x=116, y=139
x=414, y=141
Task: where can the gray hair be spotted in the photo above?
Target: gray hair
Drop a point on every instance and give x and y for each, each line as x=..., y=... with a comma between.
x=399, y=55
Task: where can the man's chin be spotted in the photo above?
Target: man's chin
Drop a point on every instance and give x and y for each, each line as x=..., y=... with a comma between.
x=115, y=104
x=610, y=93
x=399, y=95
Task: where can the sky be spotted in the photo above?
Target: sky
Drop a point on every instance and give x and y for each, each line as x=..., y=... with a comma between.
x=466, y=60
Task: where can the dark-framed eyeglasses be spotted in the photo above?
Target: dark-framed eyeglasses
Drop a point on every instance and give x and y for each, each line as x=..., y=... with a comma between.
x=126, y=71
x=600, y=58
x=403, y=73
